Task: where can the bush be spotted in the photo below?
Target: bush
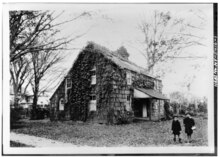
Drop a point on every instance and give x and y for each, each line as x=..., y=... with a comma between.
x=168, y=111
x=202, y=107
x=61, y=115
x=15, y=115
x=124, y=118
x=191, y=109
x=183, y=109
x=40, y=113
x=175, y=107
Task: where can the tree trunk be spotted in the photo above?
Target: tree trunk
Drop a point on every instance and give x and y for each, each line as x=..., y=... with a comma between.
x=16, y=99
x=34, y=106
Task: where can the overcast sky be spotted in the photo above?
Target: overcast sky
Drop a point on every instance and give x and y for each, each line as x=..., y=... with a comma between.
x=114, y=25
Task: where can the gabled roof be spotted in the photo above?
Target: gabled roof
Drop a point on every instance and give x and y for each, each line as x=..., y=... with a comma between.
x=117, y=59
x=114, y=57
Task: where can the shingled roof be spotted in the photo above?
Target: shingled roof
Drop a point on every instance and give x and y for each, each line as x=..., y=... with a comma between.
x=114, y=57
x=118, y=60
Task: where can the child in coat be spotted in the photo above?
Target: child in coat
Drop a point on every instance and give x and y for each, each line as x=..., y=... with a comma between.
x=176, y=128
x=189, y=123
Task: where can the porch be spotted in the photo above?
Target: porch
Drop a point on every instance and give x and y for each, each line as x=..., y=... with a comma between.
x=148, y=104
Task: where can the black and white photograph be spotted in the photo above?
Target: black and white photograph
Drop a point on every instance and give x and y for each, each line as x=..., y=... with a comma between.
x=109, y=79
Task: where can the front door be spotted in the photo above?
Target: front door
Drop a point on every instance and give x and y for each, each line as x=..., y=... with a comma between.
x=137, y=107
x=141, y=107
x=146, y=109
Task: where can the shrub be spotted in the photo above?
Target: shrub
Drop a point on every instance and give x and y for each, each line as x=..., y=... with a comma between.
x=40, y=113
x=191, y=109
x=175, y=107
x=124, y=118
x=202, y=107
x=15, y=115
x=61, y=115
x=168, y=111
x=183, y=109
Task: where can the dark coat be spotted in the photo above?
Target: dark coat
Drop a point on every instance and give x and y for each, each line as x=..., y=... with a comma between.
x=176, y=127
x=189, y=123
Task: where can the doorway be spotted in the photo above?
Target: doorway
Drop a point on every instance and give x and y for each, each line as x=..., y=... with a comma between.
x=141, y=107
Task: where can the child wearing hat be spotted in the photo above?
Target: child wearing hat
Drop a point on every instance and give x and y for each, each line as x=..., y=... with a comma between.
x=176, y=128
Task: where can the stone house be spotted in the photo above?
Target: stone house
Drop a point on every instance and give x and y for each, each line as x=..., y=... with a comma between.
x=103, y=85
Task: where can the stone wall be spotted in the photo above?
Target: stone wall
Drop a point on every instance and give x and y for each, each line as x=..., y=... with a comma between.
x=157, y=111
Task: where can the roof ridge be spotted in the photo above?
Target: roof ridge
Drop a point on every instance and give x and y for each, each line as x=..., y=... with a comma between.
x=106, y=51
x=113, y=53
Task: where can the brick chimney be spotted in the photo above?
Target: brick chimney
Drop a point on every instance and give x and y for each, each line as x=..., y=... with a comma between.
x=123, y=53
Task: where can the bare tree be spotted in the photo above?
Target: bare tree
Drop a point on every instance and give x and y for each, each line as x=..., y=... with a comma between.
x=35, y=46
x=27, y=26
x=166, y=37
x=20, y=72
x=41, y=62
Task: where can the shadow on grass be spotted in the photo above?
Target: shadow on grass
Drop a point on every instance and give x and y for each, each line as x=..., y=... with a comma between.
x=17, y=144
x=18, y=125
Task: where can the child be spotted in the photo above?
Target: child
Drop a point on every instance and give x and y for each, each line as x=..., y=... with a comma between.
x=176, y=128
x=189, y=123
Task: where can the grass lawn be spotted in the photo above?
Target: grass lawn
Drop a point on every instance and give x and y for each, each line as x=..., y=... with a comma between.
x=135, y=134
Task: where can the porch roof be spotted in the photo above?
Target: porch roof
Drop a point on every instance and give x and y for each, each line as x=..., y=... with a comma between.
x=149, y=93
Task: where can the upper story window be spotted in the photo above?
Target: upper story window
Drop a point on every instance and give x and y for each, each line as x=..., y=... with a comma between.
x=68, y=83
x=92, y=97
x=132, y=78
x=129, y=78
x=128, y=97
x=93, y=73
x=61, y=104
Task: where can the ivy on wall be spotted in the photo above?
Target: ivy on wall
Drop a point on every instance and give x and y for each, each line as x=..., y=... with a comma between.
x=111, y=87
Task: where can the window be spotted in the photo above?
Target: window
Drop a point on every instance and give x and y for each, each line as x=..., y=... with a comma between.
x=68, y=83
x=114, y=85
x=92, y=97
x=132, y=78
x=61, y=104
x=128, y=97
x=128, y=77
x=93, y=74
x=92, y=104
x=93, y=81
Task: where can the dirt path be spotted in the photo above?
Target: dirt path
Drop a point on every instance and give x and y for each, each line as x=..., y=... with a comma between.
x=37, y=141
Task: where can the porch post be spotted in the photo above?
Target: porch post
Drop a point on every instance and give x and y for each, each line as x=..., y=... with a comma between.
x=159, y=109
x=144, y=110
x=150, y=109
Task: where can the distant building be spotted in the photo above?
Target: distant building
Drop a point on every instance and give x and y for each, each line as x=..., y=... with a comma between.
x=103, y=84
x=26, y=100
x=43, y=101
